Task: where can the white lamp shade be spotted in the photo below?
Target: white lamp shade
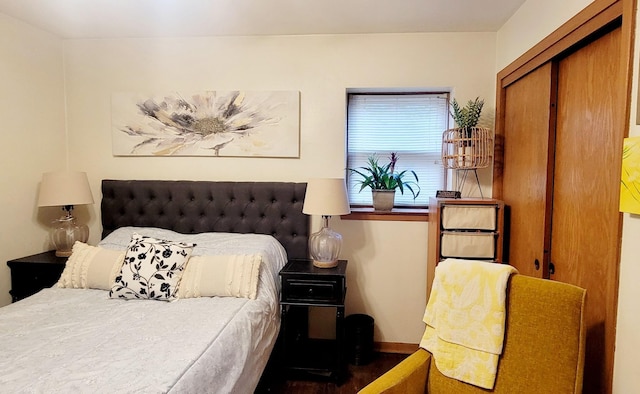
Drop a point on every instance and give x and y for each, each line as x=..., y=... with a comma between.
x=61, y=188
x=327, y=197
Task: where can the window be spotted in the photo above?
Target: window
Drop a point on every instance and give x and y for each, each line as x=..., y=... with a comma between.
x=410, y=124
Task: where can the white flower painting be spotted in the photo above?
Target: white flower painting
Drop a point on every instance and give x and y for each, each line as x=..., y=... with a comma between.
x=210, y=123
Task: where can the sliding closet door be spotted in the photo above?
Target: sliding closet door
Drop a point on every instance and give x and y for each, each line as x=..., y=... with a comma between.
x=585, y=222
x=526, y=188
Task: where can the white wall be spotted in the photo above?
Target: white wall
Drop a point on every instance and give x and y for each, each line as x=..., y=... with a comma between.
x=521, y=32
x=387, y=260
x=33, y=138
x=533, y=21
x=626, y=377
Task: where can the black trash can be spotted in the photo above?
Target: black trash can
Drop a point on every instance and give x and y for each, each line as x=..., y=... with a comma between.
x=359, y=333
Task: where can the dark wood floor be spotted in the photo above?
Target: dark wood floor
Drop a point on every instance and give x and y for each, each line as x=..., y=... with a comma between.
x=358, y=377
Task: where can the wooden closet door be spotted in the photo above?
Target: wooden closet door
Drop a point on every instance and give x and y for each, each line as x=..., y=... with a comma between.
x=526, y=178
x=585, y=234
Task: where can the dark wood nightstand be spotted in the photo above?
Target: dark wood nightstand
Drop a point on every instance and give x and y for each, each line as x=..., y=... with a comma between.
x=304, y=286
x=31, y=274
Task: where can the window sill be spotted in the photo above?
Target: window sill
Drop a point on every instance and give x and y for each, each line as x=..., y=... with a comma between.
x=395, y=215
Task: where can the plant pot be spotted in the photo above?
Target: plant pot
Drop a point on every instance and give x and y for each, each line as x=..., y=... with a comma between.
x=383, y=199
x=467, y=149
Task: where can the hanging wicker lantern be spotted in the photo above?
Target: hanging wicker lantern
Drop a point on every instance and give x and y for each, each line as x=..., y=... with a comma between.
x=467, y=148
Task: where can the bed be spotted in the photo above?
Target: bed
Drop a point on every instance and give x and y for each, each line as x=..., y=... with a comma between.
x=77, y=339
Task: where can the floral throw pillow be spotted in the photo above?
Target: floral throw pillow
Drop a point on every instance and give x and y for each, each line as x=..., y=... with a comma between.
x=152, y=269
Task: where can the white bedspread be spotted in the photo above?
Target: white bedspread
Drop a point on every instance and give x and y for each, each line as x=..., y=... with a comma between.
x=77, y=340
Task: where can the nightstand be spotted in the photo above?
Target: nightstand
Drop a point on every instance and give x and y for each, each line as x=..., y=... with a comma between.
x=304, y=286
x=31, y=274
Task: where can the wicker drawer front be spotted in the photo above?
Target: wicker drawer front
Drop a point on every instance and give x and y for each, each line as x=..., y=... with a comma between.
x=468, y=245
x=465, y=217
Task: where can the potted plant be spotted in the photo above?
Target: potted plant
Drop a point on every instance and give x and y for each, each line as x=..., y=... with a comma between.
x=384, y=181
x=468, y=116
x=467, y=146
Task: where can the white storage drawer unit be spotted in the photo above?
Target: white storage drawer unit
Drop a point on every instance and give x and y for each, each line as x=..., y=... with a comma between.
x=464, y=228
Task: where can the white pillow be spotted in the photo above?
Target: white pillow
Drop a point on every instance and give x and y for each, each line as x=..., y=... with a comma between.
x=152, y=269
x=223, y=276
x=91, y=267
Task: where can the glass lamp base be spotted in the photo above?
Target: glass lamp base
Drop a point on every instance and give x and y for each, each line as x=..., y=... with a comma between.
x=324, y=264
x=324, y=247
x=65, y=232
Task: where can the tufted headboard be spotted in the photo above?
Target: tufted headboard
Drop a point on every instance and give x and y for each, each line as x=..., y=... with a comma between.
x=190, y=207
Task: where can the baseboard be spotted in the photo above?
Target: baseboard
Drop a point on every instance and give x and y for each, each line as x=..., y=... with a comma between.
x=395, y=347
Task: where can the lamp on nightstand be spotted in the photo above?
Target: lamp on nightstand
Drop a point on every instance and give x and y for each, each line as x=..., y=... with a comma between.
x=325, y=197
x=65, y=189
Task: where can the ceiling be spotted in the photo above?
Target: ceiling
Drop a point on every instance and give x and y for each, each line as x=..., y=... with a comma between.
x=195, y=18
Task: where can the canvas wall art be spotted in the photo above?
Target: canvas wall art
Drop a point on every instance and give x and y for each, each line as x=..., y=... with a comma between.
x=207, y=123
x=630, y=179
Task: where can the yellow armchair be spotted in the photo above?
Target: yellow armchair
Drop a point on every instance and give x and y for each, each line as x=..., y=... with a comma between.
x=543, y=348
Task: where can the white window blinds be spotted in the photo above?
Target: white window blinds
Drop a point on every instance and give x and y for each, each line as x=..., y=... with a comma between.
x=410, y=125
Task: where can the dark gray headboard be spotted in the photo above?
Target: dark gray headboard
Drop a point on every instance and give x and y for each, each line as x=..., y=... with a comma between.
x=190, y=207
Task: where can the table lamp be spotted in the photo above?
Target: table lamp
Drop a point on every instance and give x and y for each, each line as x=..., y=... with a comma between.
x=65, y=189
x=325, y=197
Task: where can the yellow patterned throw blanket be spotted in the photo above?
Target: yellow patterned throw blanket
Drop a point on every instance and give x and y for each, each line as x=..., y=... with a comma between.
x=465, y=319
